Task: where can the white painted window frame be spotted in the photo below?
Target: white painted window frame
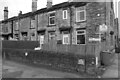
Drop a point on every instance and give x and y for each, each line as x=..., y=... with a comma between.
x=81, y=34
x=66, y=35
x=51, y=17
x=65, y=14
x=49, y=20
x=78, y=11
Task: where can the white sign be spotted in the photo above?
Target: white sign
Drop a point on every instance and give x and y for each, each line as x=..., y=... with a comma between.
x=94, y=39
x=81, y=61
x=103, y=28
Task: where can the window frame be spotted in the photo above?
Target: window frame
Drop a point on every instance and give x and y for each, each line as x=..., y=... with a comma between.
x=78, y=11
x=17, y=36
x=51, y=35
x=81, y=34
x=64, y=14
x=32, y=24
x=51, y=17
x=64, y=35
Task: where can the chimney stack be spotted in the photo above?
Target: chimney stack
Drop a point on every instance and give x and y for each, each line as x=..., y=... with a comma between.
x=49, y=3
x=20, y=13
x=34, y=5
x=5, y=13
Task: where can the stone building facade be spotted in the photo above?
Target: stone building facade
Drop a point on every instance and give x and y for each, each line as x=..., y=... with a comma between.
x=80, y=24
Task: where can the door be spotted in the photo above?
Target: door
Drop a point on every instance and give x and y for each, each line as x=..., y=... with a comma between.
x=41, y=40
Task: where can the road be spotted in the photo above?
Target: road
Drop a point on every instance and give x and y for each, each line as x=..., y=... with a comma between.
x=15, y=70
x=113, y=70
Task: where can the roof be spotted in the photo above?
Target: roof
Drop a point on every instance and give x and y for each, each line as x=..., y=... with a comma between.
x=43, y=10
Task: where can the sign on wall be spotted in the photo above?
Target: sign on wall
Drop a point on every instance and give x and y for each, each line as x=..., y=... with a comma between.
x=95, y=37
x=103, y=28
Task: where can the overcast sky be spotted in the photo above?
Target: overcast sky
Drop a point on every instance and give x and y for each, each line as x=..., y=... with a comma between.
x=15, y=6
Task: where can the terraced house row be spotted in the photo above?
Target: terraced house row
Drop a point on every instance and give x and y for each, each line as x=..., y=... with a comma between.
x=79, y=27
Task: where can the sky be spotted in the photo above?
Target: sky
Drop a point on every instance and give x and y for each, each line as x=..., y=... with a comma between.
x=14, y=6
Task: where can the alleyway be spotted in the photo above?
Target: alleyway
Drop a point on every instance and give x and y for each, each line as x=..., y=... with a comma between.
x=15, y=70
x=112, y=71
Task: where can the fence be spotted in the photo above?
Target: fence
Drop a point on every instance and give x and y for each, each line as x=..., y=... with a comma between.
x=75, y=49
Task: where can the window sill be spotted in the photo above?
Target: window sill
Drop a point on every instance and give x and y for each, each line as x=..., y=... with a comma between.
x=64, y=18
x=51, y=25
x=81, y=21
x=16, y=30
x=65, y=44
x=32, y=27
x=80, y=44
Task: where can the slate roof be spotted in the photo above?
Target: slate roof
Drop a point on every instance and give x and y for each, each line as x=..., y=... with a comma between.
x=43, y=10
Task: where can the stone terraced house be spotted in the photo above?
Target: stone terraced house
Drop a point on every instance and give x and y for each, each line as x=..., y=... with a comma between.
x=85, y=28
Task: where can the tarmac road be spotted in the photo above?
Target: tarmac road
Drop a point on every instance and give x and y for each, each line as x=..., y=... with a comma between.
x=15, y=70
x=113, y=70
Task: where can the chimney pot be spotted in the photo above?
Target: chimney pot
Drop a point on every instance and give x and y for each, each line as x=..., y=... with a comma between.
x=20, y=13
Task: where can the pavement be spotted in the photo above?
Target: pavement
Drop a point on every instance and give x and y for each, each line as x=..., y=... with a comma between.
x=112, y=70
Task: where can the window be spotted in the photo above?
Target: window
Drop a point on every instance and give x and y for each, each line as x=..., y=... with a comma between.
x=65, y=39
x=32, y=37
x=81, y=35
x=5, y=29
x=16, y=36
x=24, y=36
x=65, y=14
x=51, y=35
x=52, y=19
x=32, y=17
x=32, y=24
x=80, y=15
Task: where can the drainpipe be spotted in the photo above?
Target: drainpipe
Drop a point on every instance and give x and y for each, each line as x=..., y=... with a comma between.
x=71, y=28
x=37, y=27
x=19, y=37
